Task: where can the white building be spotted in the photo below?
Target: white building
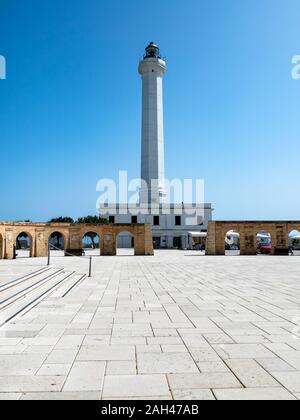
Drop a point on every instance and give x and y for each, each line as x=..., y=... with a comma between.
x=176, y=227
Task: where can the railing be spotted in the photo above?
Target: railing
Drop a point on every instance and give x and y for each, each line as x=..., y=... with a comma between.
x=52, y=247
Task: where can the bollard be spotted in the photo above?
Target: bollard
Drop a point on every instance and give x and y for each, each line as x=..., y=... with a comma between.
x=90, y=267
x=48, y=263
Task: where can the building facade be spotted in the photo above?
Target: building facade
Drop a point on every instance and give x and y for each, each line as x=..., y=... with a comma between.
x=178, y=229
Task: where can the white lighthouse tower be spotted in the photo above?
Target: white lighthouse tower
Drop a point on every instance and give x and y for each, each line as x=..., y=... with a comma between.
x=152, y=69
x=172, y=224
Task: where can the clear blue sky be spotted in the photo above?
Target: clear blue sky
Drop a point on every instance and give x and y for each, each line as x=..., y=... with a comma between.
x=70, y=107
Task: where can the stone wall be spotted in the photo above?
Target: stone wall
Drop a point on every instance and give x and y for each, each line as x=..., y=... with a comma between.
x=39, y=234
x=248, y=230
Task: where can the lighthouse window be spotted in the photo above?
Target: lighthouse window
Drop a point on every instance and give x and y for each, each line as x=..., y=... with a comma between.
x=156, y=220
x=178, y=220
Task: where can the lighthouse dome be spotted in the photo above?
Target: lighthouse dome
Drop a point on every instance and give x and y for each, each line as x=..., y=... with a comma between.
x=152, y=51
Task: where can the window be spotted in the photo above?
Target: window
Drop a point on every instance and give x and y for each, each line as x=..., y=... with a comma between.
x=178, y=220
x=177, y=243
x=134, y=220
x=156, y=220
x=112, y=219
x=200, y=221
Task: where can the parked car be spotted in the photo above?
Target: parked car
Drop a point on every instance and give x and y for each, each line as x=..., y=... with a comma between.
x=264, y=247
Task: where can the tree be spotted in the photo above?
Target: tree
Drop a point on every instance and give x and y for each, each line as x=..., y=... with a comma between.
x=92, y=220
x=92, y=236
x=62, y=220
x=56, y=237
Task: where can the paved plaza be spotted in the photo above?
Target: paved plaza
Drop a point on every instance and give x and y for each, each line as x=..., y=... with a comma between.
x=174, y=326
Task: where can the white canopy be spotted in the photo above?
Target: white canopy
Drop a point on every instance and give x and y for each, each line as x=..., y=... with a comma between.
x=198, y=234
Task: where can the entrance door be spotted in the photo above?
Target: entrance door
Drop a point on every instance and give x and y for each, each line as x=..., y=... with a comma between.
x=177, y=242
x=156, y=242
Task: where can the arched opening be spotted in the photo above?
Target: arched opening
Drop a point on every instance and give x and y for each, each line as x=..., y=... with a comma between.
x=264, y=243
x=91, y=244
x=56, y=244
x=1, y=247
x=23, y=245
x=125, y=244
x=232, y=243
x=294, y=242
x=197, y=241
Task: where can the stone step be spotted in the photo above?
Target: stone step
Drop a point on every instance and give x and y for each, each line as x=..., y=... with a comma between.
x=14, y=292
x=23, y=278
x=68, y=286
x=30, y=298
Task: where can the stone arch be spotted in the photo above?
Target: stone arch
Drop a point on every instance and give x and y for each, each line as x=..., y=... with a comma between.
x=294, y=242
x=293, y=226
x=91, y=243
x=232, y=240
x=40, y=234
x=57, y=242
x=24, y=245
x=125, y=242
x=264, y=242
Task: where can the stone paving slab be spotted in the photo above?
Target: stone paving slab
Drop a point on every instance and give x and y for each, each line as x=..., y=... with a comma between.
x=251, y=374
x=203, y=381
x=193, y=394
x=148, y=363
x=54, y=370
x=68, y=396
x=20, y=364
x=85, y=376
x=9, y=396
x=132, y=386
x=172, y=326
x=290, y=380
x=16, y=384
x=255, y=394
x=106, y=352
x=121, y=368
